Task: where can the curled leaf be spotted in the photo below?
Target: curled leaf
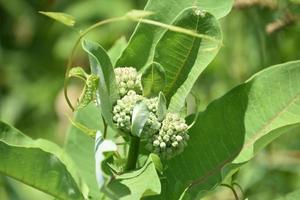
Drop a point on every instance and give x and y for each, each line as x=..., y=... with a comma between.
x=89, y=91
x=101, y=66
x=102, y=147
x=140, y=116
x=162, y=106
x=78, y=72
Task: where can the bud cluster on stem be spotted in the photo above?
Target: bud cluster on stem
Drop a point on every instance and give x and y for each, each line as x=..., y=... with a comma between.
x=165, y=137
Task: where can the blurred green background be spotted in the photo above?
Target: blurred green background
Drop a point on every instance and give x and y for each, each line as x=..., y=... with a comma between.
x=34, y=50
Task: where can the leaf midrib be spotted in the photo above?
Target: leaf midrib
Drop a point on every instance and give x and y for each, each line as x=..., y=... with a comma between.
x=185, y=60
x=261, y=131
x=253, y=139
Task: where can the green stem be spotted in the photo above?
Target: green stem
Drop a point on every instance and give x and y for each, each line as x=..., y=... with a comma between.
x=105, y=128
x=240, y=187
x=232, y=189
x=133, y=153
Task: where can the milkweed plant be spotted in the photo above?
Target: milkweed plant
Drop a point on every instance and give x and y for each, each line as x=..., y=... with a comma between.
x=137, y=131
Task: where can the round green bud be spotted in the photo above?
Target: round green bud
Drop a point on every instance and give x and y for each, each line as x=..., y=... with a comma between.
x=152, y=104
x=171, y=139
x=122, y=111
x=151, y=127
x=127, y=79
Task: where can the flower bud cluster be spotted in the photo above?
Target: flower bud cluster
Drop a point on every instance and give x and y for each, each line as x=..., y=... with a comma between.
x=166, y=138
x=122, y=111
x=127, y=79
x=152, y=104
x=172, y=137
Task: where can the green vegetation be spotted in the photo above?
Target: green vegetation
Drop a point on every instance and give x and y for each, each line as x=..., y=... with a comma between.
x=199, y=101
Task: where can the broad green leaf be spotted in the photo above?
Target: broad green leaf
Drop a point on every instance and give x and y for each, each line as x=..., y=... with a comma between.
x=162, y=106
x=63, y=18
x=116, y=50
x=153, y=79
x=231, y=127
x=40, y=164
x=140, y=115
x=185, y=57
x=136, y=184
x=102, y=67
x=80, y=147
x=140, y=49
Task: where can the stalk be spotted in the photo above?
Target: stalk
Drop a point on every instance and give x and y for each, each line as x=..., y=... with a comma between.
x=132, y=153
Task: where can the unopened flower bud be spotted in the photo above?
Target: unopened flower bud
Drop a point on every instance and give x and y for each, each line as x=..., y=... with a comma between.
x=127, y=79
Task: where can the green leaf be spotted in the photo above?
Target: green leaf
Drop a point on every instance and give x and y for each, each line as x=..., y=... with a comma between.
x=77, y=72
x=102, y=148
x=102, y=67
x=140, y=115
x=40, y=164
x=153, y=79
x=63, y=18
x=136, y=184
x=257, y=109
x=80, y=147
x=116, y=50
x=140, y=50
x=185, y=57
x=162, y=106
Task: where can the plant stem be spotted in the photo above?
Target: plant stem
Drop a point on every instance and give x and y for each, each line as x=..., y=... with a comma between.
x=232, y=189
x=132, y=153
x=240, y=187
x=105, y=128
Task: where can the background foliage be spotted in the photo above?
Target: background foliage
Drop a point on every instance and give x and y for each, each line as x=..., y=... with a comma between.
x=33, y=52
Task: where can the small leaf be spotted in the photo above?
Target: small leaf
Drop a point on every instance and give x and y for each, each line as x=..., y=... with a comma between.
x=63, y=18
x=140, y=116
x=157, y=162
x=101, y=66
x=89, y=91
x=137, y=14
x=77, y=72
x=153, y=79
x=102, y=146
x=136, y=184
x=162, y=106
